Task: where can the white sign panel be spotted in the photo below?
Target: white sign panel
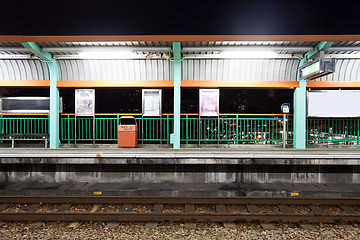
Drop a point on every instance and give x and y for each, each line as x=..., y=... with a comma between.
x=85, y=102
x=209, y=102
x=333, y=103
x=151, y=100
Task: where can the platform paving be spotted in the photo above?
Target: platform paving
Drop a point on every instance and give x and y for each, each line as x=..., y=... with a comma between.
x=154, y=154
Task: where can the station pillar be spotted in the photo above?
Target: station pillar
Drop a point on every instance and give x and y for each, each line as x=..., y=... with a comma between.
x=300, y=116
x=54, y=105
x=177, y=93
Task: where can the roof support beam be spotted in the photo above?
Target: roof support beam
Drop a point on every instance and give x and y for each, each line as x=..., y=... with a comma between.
x=36, y=50
x=300, y=97
x=54, y=91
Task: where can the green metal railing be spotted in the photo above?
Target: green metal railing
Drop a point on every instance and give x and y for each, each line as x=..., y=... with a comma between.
x=233, y=129
x=25, y=124
x=334, y=130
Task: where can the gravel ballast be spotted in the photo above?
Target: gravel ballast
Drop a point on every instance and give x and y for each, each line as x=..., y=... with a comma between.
x=97, y=230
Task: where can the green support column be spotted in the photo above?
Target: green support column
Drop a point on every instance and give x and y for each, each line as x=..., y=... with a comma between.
x=177, y=93
x=54, y=92
x=54, y=105
x=300, y=98
x=300, y=115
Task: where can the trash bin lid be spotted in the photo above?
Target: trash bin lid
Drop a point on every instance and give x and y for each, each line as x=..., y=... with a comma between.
x=127, y=117
x=127, y=120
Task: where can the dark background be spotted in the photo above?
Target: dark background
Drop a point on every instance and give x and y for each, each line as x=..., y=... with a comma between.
x=128, y=100
x=195, y=17
x=165, y=17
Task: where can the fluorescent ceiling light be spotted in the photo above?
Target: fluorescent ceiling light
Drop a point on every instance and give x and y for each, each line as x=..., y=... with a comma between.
x=249, y=54
x=107, y=55
x=24, y=56
x=243, y=55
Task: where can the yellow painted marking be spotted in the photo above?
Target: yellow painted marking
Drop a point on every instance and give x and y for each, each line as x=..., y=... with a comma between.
x=98, y=154
x=97, y=193
x=95, y=208
x=73, y=225
x=294, y=194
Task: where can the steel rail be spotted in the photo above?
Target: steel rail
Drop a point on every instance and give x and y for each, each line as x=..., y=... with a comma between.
x=177, y=217
x=176, y=200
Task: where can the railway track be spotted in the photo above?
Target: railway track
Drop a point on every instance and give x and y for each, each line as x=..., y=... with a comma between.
x=189, y=210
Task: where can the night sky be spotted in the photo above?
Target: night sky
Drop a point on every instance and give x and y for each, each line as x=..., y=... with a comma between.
x=166, y=17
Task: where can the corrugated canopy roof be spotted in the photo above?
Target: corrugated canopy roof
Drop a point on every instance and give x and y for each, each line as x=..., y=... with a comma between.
x=62, y=49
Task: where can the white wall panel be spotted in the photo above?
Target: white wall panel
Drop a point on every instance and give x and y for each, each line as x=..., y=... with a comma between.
x=23, y=70
x=240, y=69
x=114, y=70
x=193, y=69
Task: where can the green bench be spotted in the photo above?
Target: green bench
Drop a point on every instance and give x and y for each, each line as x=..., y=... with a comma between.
x=24, y=136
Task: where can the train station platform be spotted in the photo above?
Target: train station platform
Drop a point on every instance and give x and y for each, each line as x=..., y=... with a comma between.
x=156, y=171
x=156, y=154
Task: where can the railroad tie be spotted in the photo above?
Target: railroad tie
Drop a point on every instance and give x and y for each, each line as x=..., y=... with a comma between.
x=33, y=207
x=4, y=206
x=150, y=225
x=112, y=225
x=268, y=226
x=158, y=208
x=95, y=208
x=126, y=208
x=316, y=210
x=284, y=209
x=222, y=210
x=64, y=207
x=36, y=225
x=345, y=225
x=74, y=225
x=349, y=210
x=252, y=208
x=307, y=226
x=190, y=208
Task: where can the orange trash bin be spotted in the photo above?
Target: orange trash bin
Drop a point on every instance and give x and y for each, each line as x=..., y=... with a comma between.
x=127, y=132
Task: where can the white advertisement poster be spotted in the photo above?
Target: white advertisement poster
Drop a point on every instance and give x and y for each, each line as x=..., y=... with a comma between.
x=333, y=103
x=85, y=102
x=209, y=102
x=151, y=102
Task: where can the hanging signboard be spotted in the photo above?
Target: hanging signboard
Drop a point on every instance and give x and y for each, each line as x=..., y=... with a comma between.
x=317, y=68
x=84, y=102
x=151, y=103
x=209, y=102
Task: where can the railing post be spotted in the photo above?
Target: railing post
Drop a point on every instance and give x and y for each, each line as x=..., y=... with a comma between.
x=237, y=129
x=168, y=129
x=116, y=127
x=187, y=129
x=358, y=132
x=68, y=128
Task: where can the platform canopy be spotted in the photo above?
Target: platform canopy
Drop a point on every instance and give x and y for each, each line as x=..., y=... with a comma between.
x=208, y=47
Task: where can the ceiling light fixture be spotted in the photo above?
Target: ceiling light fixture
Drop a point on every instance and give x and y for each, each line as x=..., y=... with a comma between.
x=106, y=55
x=149, y=56
x=166, y=56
